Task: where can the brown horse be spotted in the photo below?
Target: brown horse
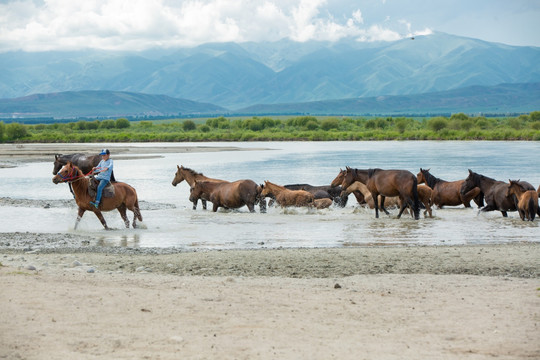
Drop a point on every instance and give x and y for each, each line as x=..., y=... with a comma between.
x=495, y=192
x=424, y=195
x=125, y=197
x=191, y=176
x=449, y=192
x=229, y=195
x=526, y=200
x=285, y=197
x=322, y=192
x=392, y=201
x=82, y=161
x=400, y=183
x=336, y=183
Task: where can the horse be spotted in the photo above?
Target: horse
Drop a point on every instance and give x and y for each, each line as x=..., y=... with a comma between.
x=449, y=192
x=125, y=196
x=191, y=176
x=336, y=183
x=400, y=183
x=322, y=192
x=392, y=201
x=495, y=192
x=424, y=195
x=83, y=161
x=229, y=195
x=526, y=200
x=285, y=197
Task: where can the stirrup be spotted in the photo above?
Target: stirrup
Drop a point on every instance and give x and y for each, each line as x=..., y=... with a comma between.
x=95, y=204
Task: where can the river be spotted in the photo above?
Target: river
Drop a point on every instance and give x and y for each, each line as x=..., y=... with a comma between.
x=32, y=203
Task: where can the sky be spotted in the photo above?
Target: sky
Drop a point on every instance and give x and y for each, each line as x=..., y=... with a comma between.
x=133, y=25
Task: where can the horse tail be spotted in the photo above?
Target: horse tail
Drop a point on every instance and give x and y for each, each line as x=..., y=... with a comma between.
x=416, y=202
x=532, y=209
x=138, y=210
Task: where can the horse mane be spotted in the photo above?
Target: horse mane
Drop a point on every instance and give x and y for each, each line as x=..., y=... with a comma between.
x=371, y=172
x=431, y=180
x=192, y=172
x=276, y=185
x=518, y=184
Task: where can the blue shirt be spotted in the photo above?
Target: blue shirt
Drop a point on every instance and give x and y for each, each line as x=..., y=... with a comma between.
x=106, y=175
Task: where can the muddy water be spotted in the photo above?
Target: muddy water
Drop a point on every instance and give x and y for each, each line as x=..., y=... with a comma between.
x=30, y=202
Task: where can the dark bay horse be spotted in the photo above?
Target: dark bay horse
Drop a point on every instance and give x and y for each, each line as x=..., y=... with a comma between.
x=191, y=176
x=229, y=195
x=381, y=182
x=495, y=192
x=84, y=162
x=125, y=196
x=449, y=192
x=286, y=197
x=526, y=200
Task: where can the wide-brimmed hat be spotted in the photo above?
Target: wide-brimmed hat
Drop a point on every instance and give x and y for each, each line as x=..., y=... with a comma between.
x=105, y=152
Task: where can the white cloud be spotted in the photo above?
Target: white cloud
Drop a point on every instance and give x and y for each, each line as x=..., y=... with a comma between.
x=139, y=24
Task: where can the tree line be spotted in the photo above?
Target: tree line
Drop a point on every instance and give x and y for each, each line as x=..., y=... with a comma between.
x=309, y=128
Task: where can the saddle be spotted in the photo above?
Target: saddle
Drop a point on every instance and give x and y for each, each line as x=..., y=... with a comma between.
x=108, y=190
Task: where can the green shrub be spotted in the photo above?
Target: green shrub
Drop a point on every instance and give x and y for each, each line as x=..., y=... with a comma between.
x=204, y=128
x=329, y=124
x=122, y=123
x=107, y=124
x=534, y=116
x=189, y=125
x=16, y=131
x=515, y=123
x=437, y=123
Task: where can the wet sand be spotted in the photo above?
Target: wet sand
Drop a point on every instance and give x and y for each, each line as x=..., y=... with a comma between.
x=438, y=302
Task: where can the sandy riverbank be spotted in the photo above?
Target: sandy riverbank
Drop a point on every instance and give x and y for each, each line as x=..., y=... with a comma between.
x=465, y=302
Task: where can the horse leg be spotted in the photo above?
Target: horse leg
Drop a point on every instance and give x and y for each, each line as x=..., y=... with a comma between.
x=262, y=205
x=122, y=210
x=428, y=209
x=382, y=205
x=136, y=215
x=203, y=204
x=376, y=204
x=101, y=218
x=504, y=213
x=215, y=207
x=195, y=204
x=404, y=205
x=79, y=216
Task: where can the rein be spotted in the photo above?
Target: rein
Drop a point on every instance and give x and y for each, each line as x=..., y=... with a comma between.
x=70, y=178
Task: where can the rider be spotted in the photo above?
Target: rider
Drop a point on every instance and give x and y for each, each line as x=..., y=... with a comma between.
x=103, y=171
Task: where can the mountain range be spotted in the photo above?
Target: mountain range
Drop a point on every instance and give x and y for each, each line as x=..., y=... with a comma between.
x=237, y=76
x=498, y=99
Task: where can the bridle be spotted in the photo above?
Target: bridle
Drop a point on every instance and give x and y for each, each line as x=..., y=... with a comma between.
x=72, y=176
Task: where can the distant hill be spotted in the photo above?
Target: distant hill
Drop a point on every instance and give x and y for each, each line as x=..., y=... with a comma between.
x=499, y=99
x=73, y=104
x=238, y=75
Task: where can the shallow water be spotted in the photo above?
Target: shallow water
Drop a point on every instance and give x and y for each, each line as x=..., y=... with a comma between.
x=169, y=220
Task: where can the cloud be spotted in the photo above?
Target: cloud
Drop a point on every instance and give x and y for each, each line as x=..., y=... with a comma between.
x=36, y=25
